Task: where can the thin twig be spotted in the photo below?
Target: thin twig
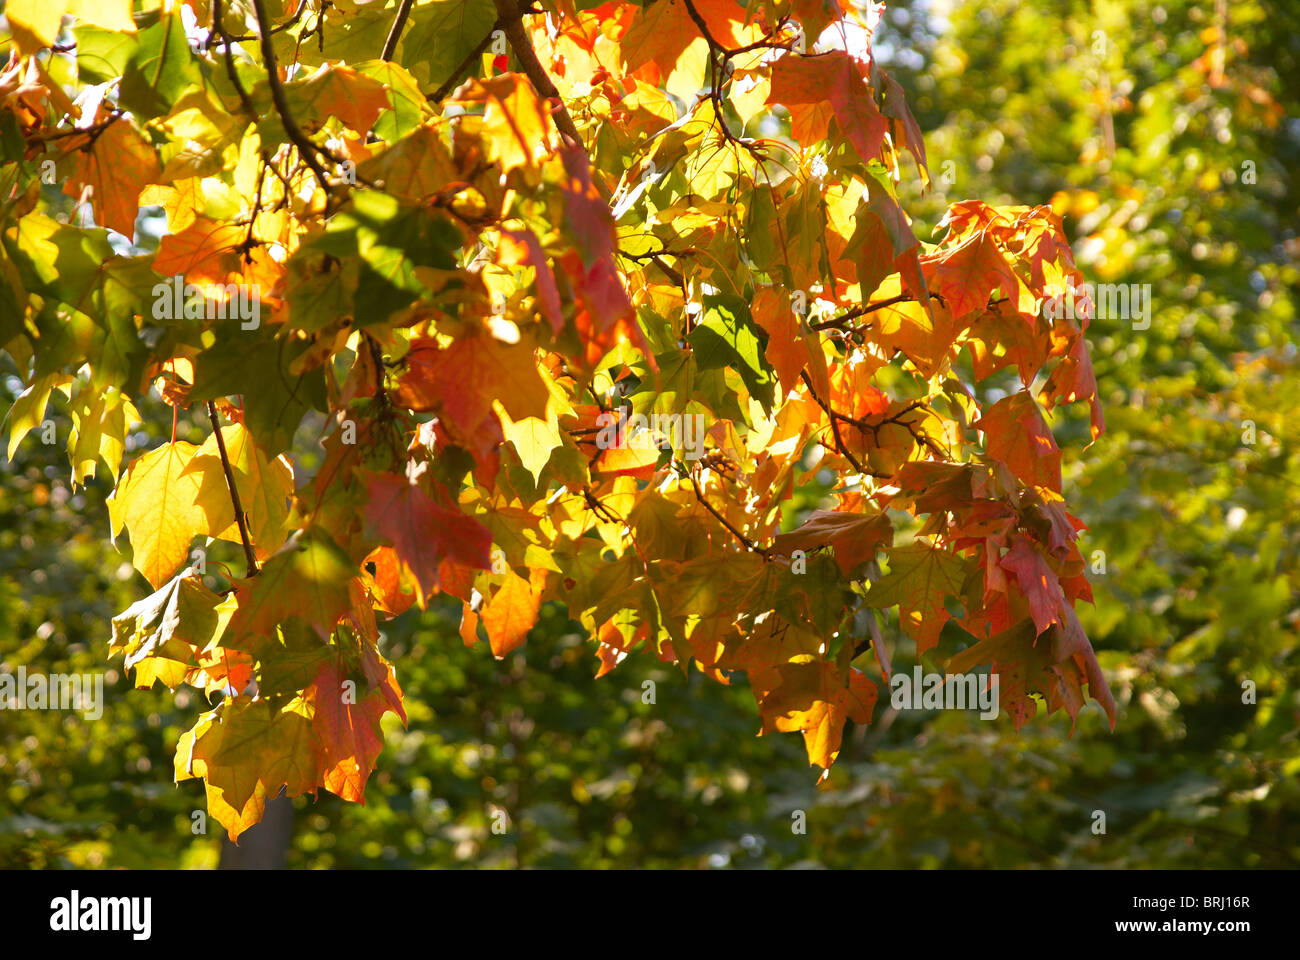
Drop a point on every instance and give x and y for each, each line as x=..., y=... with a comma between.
x=93, y=131
x=674, y=275
x=377, y=358
x=219, y=28
x=835, y=427
x=719, y=73
x=240, y=519
x=749, y=544
x=450, y=84
x=246, y=248
x=859, y=311
x=287, y=25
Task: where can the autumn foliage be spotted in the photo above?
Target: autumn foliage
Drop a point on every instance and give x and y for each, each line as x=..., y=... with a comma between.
x=466, y=258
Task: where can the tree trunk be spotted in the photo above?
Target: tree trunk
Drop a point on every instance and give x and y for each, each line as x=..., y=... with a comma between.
x=264, y=846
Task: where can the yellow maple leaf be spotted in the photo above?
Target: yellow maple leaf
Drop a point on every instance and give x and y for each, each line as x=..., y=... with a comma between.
x=35, y=23
x=515, y=120
x=265, y=488
x=163, y=508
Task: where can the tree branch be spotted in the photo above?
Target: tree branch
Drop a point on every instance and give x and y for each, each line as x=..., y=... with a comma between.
x=287, y=25
x=240, y=519
x=377, y=358
x=306, y=149
x=399, y=22
x=835, y=418
x=866, y=308
x=858, y=311
x=511, y=19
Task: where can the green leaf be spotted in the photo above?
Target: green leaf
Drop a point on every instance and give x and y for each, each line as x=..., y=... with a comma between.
x=407, y=105
x=77, y=267
x=441, y=35
x=392, y=239
x=102, y=55
x=291, y=660
x=256, y=365
x=727, y=336
x=159, y=69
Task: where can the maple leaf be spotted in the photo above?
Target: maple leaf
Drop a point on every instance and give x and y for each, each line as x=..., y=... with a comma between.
x=337, y=90
x=346, y=722
x=113, y=169
x=256, y=748
x=661, y=32
x=894, y=106
x=882, y=238
x=817, y=15
x=28, y=410
x=512, y=611
x=516, y=121
x=855, y=537
x=1016, y=434
x=423, y=532
x=239, y=357
x=522, y=247
x=786, y=350
x=810, y=697
x=442, y=34
x=966, y=274
x=1038, y=581
x=921, y=577
x=265, y=488
x=464, y=379
x=467, y=295
x=204, y=252
x=587, y=217
x=390, y=581
x=35, y=23
x=163, y=508
x=100, y=421
x=417, y=166
x=307, y=578
x=1073, y=380
x=161, y=636
x=190, y=764
x=1054, y=665
x=534, y=439
x=181, y=200
x=1001, y=336
x=833, y=78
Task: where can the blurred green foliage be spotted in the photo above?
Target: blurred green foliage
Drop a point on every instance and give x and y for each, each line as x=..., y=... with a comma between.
x=1144, y=144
